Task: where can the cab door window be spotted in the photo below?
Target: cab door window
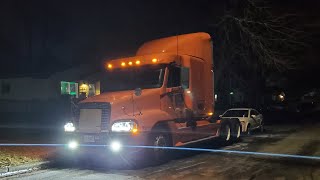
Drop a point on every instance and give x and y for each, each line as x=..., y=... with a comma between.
x=185, y=78
x=254, y=112
x=174, y=79
x=178, y=76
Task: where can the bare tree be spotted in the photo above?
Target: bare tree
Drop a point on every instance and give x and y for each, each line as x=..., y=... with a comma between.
x=251, y=31
x=251, y=39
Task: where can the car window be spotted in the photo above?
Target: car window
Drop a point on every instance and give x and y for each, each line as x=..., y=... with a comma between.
x=254, y=112
x=236, y=113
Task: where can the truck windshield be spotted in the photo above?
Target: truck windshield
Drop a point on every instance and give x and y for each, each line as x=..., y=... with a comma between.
x=131, y=78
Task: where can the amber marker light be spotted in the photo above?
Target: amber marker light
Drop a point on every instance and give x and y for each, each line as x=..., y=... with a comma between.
x=154, y=60
x=123, y=64
x=135, y=131
x=137, y=62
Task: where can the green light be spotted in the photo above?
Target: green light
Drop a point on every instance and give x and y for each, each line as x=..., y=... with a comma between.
x=64, y=87
x=68, y=88
x=73, y=88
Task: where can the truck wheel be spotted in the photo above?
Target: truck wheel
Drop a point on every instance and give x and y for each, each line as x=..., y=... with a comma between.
x=225, y=132
x=159, y=140
x=236, y=131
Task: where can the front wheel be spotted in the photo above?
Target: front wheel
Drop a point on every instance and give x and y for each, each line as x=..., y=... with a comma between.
x=159, y=141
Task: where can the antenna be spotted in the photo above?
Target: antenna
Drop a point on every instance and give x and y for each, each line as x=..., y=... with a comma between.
x=177, y=43
x=177, y=28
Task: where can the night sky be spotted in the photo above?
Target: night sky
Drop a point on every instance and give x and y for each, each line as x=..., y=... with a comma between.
x=40, y=37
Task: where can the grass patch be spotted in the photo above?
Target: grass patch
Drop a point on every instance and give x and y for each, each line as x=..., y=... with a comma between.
x=13, y=156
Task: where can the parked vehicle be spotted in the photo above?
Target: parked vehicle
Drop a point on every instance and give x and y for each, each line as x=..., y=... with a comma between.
x=161, y=97
x=250, y=118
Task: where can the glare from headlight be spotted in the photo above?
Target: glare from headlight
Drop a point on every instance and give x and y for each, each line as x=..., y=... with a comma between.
x=73, y=144
x=69, y=127
x=115, y=146
x=124, y=126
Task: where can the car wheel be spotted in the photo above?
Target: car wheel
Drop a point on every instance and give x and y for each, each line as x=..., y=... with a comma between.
x=261, y=127
x=249, y=130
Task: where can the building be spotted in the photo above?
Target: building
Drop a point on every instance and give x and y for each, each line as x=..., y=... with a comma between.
x=30, y=99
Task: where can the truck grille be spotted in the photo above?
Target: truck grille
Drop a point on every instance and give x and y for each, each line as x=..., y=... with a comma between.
x=105, y=116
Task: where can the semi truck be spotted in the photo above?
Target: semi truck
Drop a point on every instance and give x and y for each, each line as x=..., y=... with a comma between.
x=161, y=97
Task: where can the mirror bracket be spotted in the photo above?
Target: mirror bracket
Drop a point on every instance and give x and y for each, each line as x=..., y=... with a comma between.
x=138, y=92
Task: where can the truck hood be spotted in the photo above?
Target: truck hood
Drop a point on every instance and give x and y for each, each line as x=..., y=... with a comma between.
x=124, y=104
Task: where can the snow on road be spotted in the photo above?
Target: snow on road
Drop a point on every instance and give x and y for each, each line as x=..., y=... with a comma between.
x=219, y=165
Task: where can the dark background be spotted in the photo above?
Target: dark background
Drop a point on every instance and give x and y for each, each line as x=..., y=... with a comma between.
x=39, y=37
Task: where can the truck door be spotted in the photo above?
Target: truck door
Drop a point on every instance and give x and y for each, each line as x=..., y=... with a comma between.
x=178, y=82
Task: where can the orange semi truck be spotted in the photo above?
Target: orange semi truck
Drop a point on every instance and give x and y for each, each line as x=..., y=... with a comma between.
x=161, y=97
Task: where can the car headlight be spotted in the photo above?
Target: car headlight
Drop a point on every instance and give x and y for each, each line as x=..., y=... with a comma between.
x=125, y=126
x=69, y=127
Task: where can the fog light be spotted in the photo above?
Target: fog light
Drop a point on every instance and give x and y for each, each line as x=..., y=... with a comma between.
x=73, y=144
x=115, y=146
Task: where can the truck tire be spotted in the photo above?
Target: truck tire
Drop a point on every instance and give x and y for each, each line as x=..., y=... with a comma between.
x=225, y=132
x=159, y=139
x=236, y=130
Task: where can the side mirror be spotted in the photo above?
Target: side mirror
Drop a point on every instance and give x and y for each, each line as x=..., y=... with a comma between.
x=137, y=92
x=253, y=116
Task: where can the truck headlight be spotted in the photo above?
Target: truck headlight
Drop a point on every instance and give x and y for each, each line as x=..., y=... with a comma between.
x=125, y=126
x=115, y=146
x=73, y=145
x=69, y=127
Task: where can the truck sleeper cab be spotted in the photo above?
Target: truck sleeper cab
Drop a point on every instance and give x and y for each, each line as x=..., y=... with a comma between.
x=160, y=99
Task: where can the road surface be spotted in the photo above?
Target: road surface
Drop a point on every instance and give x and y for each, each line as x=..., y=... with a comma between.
x=208, y=165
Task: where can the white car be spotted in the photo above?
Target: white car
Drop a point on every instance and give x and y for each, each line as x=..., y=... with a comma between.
x=250, y=118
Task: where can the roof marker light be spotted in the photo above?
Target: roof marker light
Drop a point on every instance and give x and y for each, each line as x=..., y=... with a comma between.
x=154, y=60
x=123, y=64
x=130, y=63
x=137, y=62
